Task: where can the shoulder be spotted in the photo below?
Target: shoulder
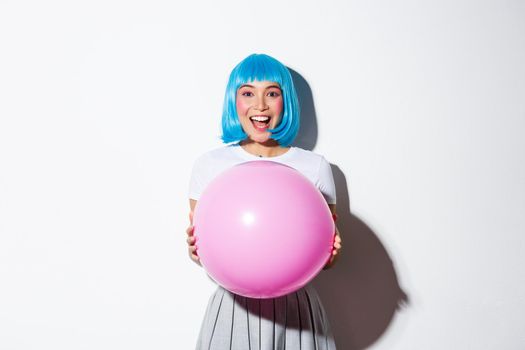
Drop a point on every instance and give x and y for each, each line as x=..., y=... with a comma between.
x=215, y=152
x=310, y=156
x=215, y=161
x=207, y=166
x=315, y=167
x=214, y=155
x=309, y=163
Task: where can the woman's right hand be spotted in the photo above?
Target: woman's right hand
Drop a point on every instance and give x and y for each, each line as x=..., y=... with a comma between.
x=192, y=248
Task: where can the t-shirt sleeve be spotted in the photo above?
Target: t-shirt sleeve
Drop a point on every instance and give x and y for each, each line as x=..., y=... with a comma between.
x=326, y=183
x=198, y=178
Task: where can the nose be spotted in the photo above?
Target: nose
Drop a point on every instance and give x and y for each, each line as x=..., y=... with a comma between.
x=261, y=104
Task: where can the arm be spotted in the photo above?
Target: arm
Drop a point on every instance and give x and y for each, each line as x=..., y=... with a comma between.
x=193, y=203
x=337, y=242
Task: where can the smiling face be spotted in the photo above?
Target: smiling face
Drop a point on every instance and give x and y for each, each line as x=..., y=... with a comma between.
x=259, y=107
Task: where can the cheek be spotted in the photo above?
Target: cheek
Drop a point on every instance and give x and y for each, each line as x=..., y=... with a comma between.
x=241, y=106
x=279, y=107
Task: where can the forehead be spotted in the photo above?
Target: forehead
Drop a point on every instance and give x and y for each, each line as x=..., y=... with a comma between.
x=261, y=85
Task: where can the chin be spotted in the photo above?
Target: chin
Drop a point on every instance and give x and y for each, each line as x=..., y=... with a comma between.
x=260, y=138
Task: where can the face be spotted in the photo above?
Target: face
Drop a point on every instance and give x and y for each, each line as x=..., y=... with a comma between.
x=259, y=107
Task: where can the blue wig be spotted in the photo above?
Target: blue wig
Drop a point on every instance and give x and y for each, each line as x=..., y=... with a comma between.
x=260, y=67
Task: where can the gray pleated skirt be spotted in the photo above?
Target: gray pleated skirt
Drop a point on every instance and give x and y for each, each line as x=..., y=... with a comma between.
x=296, y=321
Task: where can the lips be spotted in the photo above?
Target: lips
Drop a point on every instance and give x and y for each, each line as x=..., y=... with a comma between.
x=260, y=122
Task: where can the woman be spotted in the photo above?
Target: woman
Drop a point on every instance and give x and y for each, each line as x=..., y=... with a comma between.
x=260, y=120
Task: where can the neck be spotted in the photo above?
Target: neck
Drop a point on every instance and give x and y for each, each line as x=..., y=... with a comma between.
x=269, y=148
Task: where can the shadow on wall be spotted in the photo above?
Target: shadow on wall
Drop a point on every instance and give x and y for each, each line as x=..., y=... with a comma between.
x=307, y=136
x=361, y=292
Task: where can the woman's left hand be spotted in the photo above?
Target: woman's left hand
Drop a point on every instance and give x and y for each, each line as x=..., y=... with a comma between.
x=335, y=250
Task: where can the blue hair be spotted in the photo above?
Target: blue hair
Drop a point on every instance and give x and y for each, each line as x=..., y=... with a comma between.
x=261, y=67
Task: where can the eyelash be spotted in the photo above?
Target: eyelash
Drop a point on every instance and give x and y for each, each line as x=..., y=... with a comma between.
x=271, y=94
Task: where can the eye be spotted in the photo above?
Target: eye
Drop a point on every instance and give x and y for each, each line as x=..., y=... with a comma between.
x=247, y=93
x=274, y=94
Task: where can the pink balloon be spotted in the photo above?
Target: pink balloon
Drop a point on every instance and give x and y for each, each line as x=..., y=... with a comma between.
x=263, y=229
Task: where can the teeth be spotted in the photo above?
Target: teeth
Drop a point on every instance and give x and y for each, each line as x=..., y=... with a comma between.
x=260, y=119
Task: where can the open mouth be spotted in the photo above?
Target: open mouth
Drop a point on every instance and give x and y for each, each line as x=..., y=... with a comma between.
x=260, y=122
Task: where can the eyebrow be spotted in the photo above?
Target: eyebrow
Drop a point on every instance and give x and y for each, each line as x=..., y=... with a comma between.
x=268, y=87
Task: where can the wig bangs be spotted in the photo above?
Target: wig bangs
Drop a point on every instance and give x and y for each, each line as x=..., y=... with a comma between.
x=254, y=68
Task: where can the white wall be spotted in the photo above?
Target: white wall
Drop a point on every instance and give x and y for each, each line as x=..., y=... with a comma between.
x=419, y=105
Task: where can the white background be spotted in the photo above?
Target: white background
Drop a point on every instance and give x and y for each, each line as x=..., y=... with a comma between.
x=419, y=106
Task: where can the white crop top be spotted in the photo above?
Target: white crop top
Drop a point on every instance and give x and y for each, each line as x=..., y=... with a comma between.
x=312, y=165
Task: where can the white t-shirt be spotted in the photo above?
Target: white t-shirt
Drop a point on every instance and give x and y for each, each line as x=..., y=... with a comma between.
x=312, y=165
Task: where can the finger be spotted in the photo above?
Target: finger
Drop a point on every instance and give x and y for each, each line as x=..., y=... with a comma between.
x=337, y=245
x=331, y=261
x=338, y=238
x=193, y=255
x=189, y=230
